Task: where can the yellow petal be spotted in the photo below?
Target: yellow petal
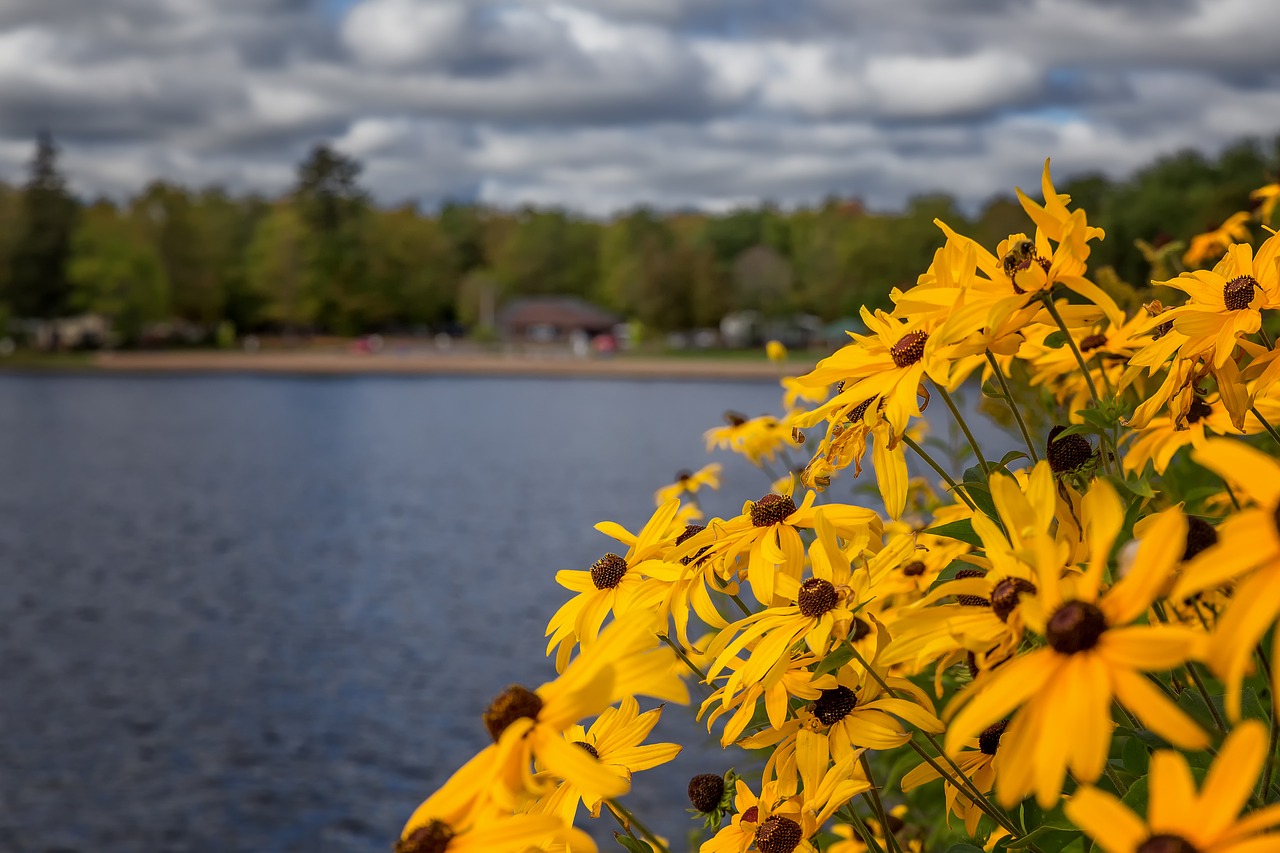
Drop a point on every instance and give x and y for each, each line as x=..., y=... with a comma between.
x=1106, y=820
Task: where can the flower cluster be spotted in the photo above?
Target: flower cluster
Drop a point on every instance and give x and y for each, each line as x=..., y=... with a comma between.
x=1060, y=644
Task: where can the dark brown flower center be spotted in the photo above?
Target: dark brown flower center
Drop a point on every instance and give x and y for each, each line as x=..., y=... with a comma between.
x=1164, y=843
x=971, y=600
x=914, y=569
x=1075, y=627
x=1200, y=535
x=1238, y=293
x=734, y=418
x=861, y=628
x=690, y=531
x=607, y=572
x=771, y=509
x=1007, y=594
x=1198, y=411
x=909, y=349
x=705, y=792
x=684, y=476
x=778, y=834
x=989, y=740
x=817, y=596
x=1092, y=342
x=752, y=814
x=511, y=704
x=432, y=838
x=834, y=705
x=1067, y=453
x=856, y=413
x=586, y=747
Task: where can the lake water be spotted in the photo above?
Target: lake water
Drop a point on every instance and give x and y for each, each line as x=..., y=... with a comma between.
x=262, y=613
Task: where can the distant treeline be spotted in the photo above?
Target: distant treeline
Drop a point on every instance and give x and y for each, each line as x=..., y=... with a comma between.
x=325, y=258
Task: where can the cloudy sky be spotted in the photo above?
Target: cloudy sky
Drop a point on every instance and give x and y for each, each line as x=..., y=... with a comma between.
x=603, y=104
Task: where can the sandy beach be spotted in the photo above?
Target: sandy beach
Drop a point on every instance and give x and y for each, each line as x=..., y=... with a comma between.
x=469, y=363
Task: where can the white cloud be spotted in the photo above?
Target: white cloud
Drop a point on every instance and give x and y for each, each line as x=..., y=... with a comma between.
x=601, y=104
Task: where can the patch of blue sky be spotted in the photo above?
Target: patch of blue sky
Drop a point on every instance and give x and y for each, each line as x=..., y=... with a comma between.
x=335, y=10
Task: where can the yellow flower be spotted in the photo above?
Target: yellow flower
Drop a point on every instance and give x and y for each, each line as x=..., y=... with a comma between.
x=1265, y=198
x=767, y=532
x=853, y=712
x=513, y=833
x=1224, y=304
x=1247, y=551
x=1094, y=654
x=614, y=584
x=688, y=483
x=779, y=686
x=978, y=763
x=526, y=726
x=776, y=351
x=823, y=613
x=846, y=443
x=1215, y=241
x=758, y=439
x=1180, y=820
x=614, y=740
x=889, y=363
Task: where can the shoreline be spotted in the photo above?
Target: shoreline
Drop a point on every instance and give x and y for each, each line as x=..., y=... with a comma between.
x=335, y=363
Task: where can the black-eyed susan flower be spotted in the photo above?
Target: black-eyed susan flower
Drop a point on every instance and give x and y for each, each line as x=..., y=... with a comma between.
x=758, y=439
x=689, y=483
x=614, y=584
x=1212, y=243
x=1096, y=651
x=527, y=725
x=823, y=613
x=511, y=833
x=852, y=712
x=767, y=534
x=1247, y=551
x=978, y=763
x=1224, y=305
x=614, y=739
x=1181, y=820
x=794, y=680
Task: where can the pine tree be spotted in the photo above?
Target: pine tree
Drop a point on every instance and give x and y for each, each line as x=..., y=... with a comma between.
x=38, y=282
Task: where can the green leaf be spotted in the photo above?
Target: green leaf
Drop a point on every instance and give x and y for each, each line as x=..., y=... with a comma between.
x=631, y=844
x=1011, y=456
x=975, y=484
x=1040, y=833
x=1139, y=487
x=961, y=530
x=1056, y=339
x=991, y=389
x=836, y=658
x=1134, y=756
x=964, y=848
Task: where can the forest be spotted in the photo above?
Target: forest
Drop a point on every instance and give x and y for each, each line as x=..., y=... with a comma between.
x=325, y=258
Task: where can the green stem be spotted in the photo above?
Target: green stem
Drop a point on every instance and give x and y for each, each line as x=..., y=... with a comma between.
x=746, y=611
x=1274, y=728
x=1195, y=677
x=625, y=827
x=1266, y=339
x=964, y=427
x=955, y=487
x=1268, y=427
x=1017, y=415
x=874, y=795
x=1047, y=299
x=868, y=838
x=1121, y=790
x=644, y=830
x=680, y=654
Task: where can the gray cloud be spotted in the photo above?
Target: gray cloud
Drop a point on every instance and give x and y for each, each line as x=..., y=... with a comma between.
x=602, y=104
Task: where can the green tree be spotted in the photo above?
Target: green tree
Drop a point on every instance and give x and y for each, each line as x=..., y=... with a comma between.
x=331, y=207
x=38, y=281
x=277, y=272
x=115, y=271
